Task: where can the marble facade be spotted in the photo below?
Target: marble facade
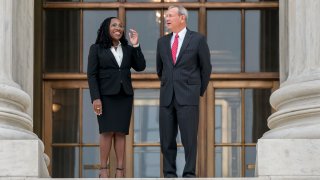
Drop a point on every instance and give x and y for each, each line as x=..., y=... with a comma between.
x=290, y=148
x=288, y=151
x=21, y=151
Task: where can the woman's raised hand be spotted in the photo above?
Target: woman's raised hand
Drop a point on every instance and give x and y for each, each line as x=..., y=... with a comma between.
x=133, y=37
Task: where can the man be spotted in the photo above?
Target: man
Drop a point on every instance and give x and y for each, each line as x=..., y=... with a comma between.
x=184, y=68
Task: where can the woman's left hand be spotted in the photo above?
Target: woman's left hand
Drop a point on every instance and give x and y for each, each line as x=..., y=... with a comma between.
x=133, y=36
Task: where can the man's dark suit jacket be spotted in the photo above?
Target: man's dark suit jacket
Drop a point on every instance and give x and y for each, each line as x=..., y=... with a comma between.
x=104, y=74
x=190, y=76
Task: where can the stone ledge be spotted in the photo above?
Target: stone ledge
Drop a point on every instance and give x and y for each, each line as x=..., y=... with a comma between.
x=279, y=158
x=20, y=158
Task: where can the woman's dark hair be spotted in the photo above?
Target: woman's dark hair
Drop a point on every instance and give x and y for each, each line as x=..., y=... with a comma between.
x=104, y=39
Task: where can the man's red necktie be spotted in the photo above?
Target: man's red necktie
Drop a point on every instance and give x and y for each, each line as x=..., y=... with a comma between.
x=174, y=48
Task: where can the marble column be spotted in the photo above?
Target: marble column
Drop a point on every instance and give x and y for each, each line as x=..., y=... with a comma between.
x=21, y=151
x=293, y=139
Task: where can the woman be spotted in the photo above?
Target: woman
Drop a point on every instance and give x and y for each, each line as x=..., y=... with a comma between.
x=109, y=78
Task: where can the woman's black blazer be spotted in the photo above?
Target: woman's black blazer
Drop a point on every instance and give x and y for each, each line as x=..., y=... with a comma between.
x=104, y=74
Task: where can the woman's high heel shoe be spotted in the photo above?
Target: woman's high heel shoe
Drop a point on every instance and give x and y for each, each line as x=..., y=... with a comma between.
x=106, y=168
x=119, y=170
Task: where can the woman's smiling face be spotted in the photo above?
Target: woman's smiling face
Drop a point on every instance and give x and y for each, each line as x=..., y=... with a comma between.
x=116, y=29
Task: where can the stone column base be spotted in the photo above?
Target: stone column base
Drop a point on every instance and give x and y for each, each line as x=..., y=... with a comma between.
x=22, y=158
x=282, y=158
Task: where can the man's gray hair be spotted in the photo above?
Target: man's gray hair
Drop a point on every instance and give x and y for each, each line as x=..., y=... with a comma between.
x=181, y=10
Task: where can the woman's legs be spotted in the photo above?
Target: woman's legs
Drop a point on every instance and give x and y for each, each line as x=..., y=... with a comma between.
x=105, y=146
x=119, y=147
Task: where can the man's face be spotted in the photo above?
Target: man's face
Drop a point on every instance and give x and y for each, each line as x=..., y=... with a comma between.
x=174, y=21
